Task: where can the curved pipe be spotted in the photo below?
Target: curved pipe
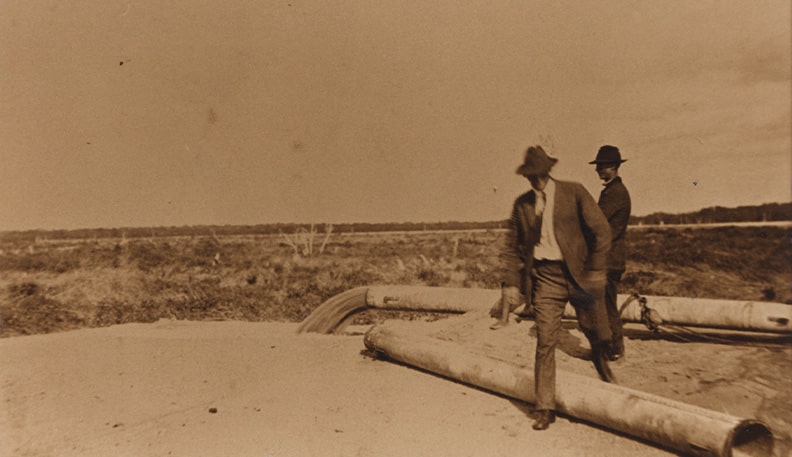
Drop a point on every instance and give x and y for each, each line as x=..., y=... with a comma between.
x=666, y=422
x=332, y=315
x=337, y=311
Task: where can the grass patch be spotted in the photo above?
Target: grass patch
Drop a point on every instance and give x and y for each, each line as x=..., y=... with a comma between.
x=53, y=286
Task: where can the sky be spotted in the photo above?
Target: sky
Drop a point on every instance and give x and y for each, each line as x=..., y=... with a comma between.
x=120, y=113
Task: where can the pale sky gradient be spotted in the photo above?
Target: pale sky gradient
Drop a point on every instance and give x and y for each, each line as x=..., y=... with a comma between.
x=181, y=112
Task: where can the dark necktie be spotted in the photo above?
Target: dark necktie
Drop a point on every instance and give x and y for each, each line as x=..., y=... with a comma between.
x=541, y=201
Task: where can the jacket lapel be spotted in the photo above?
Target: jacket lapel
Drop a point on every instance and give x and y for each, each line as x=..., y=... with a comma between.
x=530, y=221
x=561, y=208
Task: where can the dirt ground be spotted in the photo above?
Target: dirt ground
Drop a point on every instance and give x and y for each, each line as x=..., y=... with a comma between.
x=181, y=388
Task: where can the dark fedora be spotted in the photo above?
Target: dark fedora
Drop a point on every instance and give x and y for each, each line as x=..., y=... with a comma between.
x=608, y=154
x=536, y=162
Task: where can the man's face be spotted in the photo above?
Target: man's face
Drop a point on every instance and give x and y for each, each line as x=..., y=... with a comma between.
x=607, y=171
x=538, y=182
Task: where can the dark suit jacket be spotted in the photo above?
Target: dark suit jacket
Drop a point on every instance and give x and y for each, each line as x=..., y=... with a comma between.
x=582, y=232
x=615, y=204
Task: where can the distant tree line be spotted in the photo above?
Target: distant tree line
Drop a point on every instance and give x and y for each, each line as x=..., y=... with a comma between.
x=717, y=214
x=226, y=230
x=766, y=212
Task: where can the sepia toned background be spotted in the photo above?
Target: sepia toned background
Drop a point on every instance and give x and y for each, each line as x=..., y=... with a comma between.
x=139, y=113
x=118, y=113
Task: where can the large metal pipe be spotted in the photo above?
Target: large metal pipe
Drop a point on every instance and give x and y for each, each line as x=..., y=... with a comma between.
x=686, y=428
x=334, y=313
x=714, y=313
x=424, y=298
x=695, y=312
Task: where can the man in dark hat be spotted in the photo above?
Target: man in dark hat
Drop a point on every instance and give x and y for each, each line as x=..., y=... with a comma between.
x=556, y=247
x=614, y=200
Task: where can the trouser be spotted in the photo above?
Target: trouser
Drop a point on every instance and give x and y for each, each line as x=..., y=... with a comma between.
x=612, y=307
x=553, y=288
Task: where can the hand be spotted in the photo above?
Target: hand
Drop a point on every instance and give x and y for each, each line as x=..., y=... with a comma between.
x=594, y=280
x=592, y=289
x=498, y=325
x=512, y=297
x=596, y=277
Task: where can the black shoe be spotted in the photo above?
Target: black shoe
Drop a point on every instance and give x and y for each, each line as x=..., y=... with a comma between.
x=616, y=350
x=544, y=418
x=599, y=355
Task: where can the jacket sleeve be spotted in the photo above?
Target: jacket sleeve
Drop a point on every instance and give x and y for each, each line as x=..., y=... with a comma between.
x=596, y=230
x=617, y=210
x=511, y=255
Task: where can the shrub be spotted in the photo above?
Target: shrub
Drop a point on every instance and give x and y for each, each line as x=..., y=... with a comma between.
x=148, y=256
x=29, y=311
x=40, y=261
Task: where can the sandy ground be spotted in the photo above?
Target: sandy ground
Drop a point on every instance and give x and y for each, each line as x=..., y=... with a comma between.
x=177, y=388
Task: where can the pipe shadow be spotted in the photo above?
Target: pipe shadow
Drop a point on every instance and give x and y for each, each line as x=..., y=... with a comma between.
x=679, y=334
x=576, y=347
x=530, y=411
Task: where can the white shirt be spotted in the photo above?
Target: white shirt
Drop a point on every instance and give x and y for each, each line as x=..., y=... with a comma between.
x=547, y=248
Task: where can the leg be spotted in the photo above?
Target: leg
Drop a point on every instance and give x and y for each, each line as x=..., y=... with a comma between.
x=614, y=318
x=593, y=321
x=550, y=296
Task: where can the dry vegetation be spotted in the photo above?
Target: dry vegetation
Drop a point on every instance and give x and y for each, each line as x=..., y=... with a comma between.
x=53, y=285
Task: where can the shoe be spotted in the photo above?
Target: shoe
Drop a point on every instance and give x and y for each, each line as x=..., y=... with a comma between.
x=544, y=418
x=616, y=350
x=599, y=355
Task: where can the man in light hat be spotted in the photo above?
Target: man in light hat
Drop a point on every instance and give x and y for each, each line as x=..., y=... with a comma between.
x=614, y=200
x=556, y=248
